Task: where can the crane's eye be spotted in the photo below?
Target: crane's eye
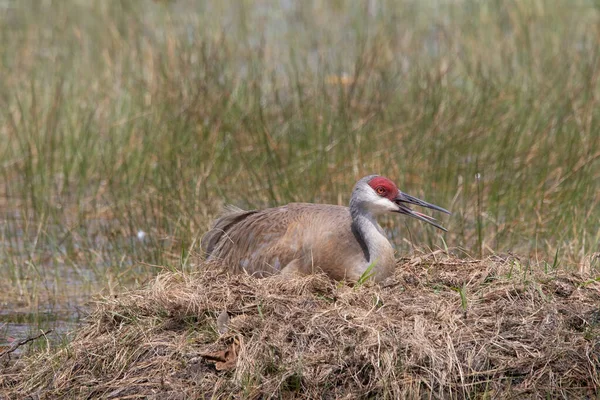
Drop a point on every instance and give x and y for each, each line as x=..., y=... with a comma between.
x=380, y=190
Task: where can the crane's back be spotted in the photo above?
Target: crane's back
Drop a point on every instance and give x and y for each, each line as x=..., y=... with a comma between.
x=298, y=237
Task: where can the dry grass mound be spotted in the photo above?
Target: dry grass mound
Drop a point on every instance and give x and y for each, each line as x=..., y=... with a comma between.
x=439, y=328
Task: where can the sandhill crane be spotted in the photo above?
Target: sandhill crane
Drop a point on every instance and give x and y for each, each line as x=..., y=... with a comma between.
x=300, y=238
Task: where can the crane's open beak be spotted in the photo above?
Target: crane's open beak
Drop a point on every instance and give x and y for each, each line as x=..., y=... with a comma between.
x=403, y=199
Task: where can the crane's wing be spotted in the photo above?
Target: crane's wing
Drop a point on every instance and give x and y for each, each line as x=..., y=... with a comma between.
x=298, y=235
x=230, y=217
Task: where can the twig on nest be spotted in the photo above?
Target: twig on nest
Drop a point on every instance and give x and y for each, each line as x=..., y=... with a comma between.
x=20, y=343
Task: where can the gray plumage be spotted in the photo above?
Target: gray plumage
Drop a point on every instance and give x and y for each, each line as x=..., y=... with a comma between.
x=300, y=238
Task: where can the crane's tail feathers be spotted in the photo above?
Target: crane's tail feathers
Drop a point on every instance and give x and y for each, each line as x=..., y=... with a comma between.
x=231, y=216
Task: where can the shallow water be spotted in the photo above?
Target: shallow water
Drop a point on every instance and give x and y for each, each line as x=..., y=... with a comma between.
x=19, y=326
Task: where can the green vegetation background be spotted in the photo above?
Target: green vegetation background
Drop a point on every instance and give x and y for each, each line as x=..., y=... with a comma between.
x=126, y=125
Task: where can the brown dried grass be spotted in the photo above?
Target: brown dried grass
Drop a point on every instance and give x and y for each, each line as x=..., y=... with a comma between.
x=512, y=333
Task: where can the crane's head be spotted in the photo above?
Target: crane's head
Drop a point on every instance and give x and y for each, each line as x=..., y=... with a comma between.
x=380, y=195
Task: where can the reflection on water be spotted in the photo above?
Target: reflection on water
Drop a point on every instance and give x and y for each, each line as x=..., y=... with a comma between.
x=18, y=326
x=48, y=281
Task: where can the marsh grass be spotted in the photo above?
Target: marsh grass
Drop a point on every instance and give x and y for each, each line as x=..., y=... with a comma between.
x=309, y=337
x=126, y=126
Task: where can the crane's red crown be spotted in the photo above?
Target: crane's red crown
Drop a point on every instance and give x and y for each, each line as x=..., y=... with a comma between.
x=384, y=187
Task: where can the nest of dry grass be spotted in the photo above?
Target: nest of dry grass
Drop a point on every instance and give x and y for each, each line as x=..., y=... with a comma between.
x=438, y=328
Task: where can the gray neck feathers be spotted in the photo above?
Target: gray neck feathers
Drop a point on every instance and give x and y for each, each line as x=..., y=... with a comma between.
x=367, y=231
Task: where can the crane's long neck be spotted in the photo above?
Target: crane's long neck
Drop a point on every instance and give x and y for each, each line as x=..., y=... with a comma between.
x=369, y=234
